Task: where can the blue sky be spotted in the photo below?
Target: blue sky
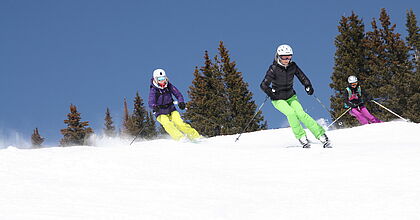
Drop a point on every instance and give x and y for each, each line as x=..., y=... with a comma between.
x=94, y=53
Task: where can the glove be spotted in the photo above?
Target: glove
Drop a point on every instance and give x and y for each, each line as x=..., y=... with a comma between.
x=309, y=90
x=155, y=108
x=181, y=105
x=271, y=94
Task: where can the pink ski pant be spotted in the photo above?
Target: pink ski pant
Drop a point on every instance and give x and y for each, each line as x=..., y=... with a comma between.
x=364, y=116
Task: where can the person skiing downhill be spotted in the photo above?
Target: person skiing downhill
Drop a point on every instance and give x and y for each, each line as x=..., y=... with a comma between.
x=355, y=99
x=278, y=85
x=162, y=103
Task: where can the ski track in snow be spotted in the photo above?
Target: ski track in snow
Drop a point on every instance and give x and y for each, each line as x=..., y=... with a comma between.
x=372, y=172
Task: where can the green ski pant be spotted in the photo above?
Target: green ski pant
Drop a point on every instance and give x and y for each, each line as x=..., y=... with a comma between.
x=295, y=114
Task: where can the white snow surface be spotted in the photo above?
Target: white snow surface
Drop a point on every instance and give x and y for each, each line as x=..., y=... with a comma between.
x=372, y=172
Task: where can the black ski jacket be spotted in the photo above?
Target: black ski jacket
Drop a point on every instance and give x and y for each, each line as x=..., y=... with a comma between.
x=280, y=79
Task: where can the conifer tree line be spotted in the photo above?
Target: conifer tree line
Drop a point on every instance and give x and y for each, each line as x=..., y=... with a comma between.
x=386, y=65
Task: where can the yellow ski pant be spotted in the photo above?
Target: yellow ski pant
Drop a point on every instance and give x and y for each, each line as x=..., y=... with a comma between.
x=175, y=126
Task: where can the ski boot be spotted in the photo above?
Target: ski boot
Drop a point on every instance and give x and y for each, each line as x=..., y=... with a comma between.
x=305, y=142
x=325, y=141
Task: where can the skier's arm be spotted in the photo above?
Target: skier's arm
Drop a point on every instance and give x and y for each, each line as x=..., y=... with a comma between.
x=176, y=93
x=266, y=83
x=302, y=78
x=152, y=97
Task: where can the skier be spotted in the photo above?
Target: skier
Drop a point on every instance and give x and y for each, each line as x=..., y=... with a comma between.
x=278, y=85
x=355, y=99
x=162, y=103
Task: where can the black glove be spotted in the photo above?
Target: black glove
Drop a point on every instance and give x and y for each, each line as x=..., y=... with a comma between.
x=309, y=90
x=271, y=94
x=181, y=105
x=155, y=108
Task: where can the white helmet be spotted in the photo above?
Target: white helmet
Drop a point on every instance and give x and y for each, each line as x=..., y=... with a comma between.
x=352, y=79
x=159, y=78
x=284, y=50
x=158, y=73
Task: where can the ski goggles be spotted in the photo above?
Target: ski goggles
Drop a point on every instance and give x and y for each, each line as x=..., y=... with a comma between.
x=353, y=84
x=161, y=78
x=285, y=57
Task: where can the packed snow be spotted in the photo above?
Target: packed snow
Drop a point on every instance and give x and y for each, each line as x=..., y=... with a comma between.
x=372, y=172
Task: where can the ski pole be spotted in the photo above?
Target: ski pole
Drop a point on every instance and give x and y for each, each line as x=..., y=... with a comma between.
x=137, y=134
x=338, y=117
x=322, y=104
x=390, y=111
x=256, y=112
x=327, y=109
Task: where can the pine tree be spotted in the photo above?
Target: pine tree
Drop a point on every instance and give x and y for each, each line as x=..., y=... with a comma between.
x=77, y=131
x=109, y=129
x=149, y=131
x=413, y=42
x=36, y=139
x=127, y=124
x=389, y=68
x=374, y=82
x=349, y=60
x=241, y=106
x=139, y=117
x=207, y=108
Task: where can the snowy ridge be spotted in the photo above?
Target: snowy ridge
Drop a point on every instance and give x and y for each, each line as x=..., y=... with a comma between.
x=373, y=172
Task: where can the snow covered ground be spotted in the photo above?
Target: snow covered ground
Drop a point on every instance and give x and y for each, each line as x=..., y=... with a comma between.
x=373, y=172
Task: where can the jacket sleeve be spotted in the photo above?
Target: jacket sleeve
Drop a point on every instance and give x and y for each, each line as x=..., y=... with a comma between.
x=152, y=97
x=176, y=93
x=266, y=83
x=302, y=77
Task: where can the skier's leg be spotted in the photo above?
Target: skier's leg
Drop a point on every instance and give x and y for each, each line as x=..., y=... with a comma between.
x=359, y=116
x=169, y=127
x=294, y=123
x=369, y=116
x=184, y=127
x=307, y=120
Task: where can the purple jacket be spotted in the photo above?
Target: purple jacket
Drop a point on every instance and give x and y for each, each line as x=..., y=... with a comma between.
x=163, y=98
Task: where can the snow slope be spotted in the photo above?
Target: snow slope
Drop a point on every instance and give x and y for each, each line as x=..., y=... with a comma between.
x=373, y=172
